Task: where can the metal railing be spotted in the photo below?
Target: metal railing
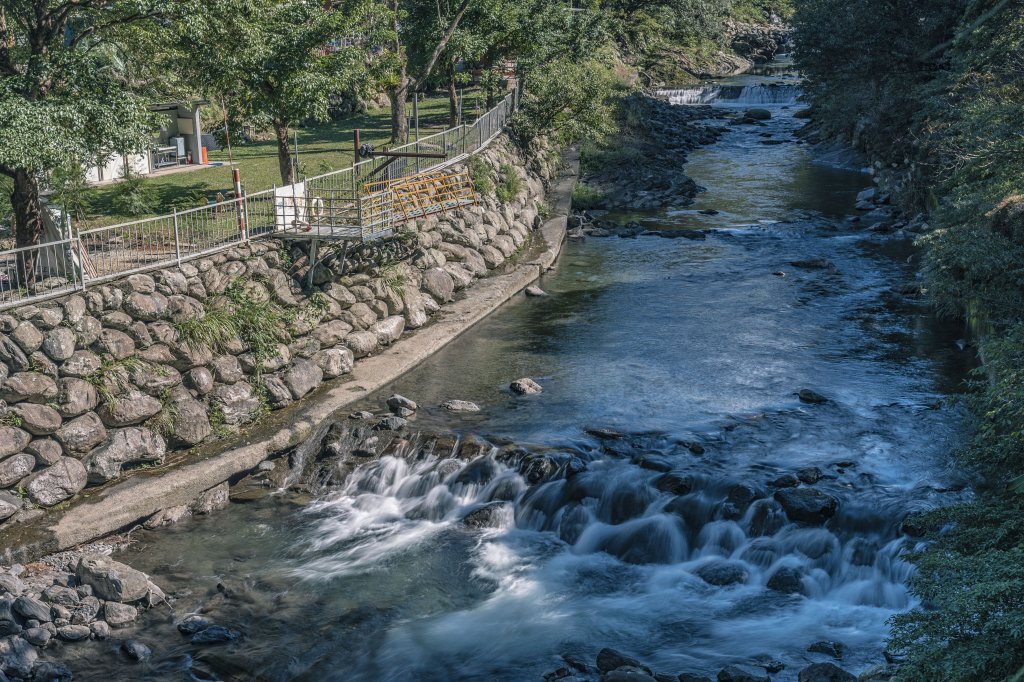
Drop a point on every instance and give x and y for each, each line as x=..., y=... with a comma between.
x=349, y=204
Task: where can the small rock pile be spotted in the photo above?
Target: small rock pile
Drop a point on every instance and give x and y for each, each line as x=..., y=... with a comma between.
x=70, y=597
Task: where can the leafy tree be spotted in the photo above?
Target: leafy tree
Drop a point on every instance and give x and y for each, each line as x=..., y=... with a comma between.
x=61, y=102
x=278, y=62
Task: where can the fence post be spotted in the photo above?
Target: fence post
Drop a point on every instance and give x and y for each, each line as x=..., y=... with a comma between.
x=177, y=238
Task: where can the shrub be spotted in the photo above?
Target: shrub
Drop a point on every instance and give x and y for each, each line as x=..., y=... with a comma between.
x=511, y=184
x=134, y=197
x=586, y=198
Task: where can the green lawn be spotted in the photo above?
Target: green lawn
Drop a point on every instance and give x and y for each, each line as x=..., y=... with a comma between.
x=322, y=148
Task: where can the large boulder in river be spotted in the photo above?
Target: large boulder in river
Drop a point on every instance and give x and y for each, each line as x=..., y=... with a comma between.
x=490, y=515
x=825, y=672
x=758, y=114
x=742, y=673
x=111, y=580
x=609, y=659
x=722, y=573
x=806, y=505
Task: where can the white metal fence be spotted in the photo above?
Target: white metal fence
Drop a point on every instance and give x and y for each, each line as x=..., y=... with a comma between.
x=334, y=205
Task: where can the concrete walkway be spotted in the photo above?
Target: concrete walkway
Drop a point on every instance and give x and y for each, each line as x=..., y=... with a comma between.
x=99, y=512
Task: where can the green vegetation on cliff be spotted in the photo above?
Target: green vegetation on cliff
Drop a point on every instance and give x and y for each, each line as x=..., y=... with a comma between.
x=935, y=88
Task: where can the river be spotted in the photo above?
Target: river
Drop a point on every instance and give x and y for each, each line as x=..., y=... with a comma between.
x=655, y=355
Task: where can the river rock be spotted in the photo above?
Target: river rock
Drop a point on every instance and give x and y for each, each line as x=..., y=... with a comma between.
x=74, y=633
x=81, y=364
x=525, y=386
x=535, y=292
x=460, y=406
x=39, y=420
x=392, y=423
x=302, y=377
x=690, y=677
x=28, y=338
x=111, y=580
x=389, y=329
x=723, y=573
x=191, y=424
x=237, y=402
x=59, y=344
x=11, y=584
x=215, y=634
x=191, y=624
x=76, y=397
x=119, y=615
x=332, y=333
x=742, y=673
x=28, y=387
x=629, y=674
x=17, y=657
x=32, y=609
x=136, y=650
x=129, y=409
x=51, y=671
x=399, y=402
x=125, y=446
x=829, y=648
x=490, y=515
x=609, y=659
x=116, y=344
x=788, y=580
x=439, y=284
x=12, y=355
x=806, y=505
x=15, y=468
x=81, y=435
x=12, y=440
x=199, y=379
x=214, y=499
x=9, y=506
x=362, y=343
x=146, y=307
x=334, y=362
x=38, y=636
x=825, y=672
x=808, y=396
x=59, y=482
x=809, y=475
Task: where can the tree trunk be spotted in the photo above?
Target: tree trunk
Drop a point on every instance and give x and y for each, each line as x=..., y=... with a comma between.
x=284, y=152
x=399, y=115
x=453, y=99
x=28, y=223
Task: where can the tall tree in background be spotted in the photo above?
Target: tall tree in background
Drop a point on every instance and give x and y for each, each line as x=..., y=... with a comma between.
x=421, y=31
x=61, y=105
x=277, y=63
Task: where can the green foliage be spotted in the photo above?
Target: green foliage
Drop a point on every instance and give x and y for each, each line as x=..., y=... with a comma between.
x=393, y=278
x=482, y=175
x=215, y=329
x=70, y=192
x=134, y=197
x=938, y=87
x=10, y=418
x=113, y=377
x=585, y=198
x=511, y=184
x=569, y=102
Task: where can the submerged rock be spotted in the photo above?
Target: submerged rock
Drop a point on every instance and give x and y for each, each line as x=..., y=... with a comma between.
x=525, y=386
x=723, y=573
x=742, y=673
x=610, y=659
x=460, y=406
x=488, y=516
x=825, y=672
x=808, y=396
x=829, y=648
x=806, y=505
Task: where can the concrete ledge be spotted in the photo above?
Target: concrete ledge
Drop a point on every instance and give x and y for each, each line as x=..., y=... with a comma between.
x=106, y=510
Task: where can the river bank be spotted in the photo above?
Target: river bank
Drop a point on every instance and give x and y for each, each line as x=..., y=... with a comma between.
x=713, y=480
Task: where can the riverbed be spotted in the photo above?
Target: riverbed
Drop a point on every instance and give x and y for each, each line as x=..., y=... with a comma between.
x=657, y=356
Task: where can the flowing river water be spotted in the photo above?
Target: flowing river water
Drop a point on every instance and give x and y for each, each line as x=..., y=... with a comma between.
x=645, y=348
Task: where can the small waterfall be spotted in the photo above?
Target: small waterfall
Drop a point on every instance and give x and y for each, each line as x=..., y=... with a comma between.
x=723, y=532
x=734, y=95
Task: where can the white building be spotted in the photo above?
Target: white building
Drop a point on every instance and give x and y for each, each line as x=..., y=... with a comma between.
x=178, y=142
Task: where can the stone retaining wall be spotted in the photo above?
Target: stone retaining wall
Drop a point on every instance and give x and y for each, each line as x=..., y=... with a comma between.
x=116, y=377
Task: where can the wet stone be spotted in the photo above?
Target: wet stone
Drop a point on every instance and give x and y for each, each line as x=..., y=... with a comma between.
x=742, y=673
x=825, y=672
x=215, y=634
x=525, y=386
x=135, y=650
x=73, y=633
x=191, y=624
x=829, y=648
x=609, y=659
